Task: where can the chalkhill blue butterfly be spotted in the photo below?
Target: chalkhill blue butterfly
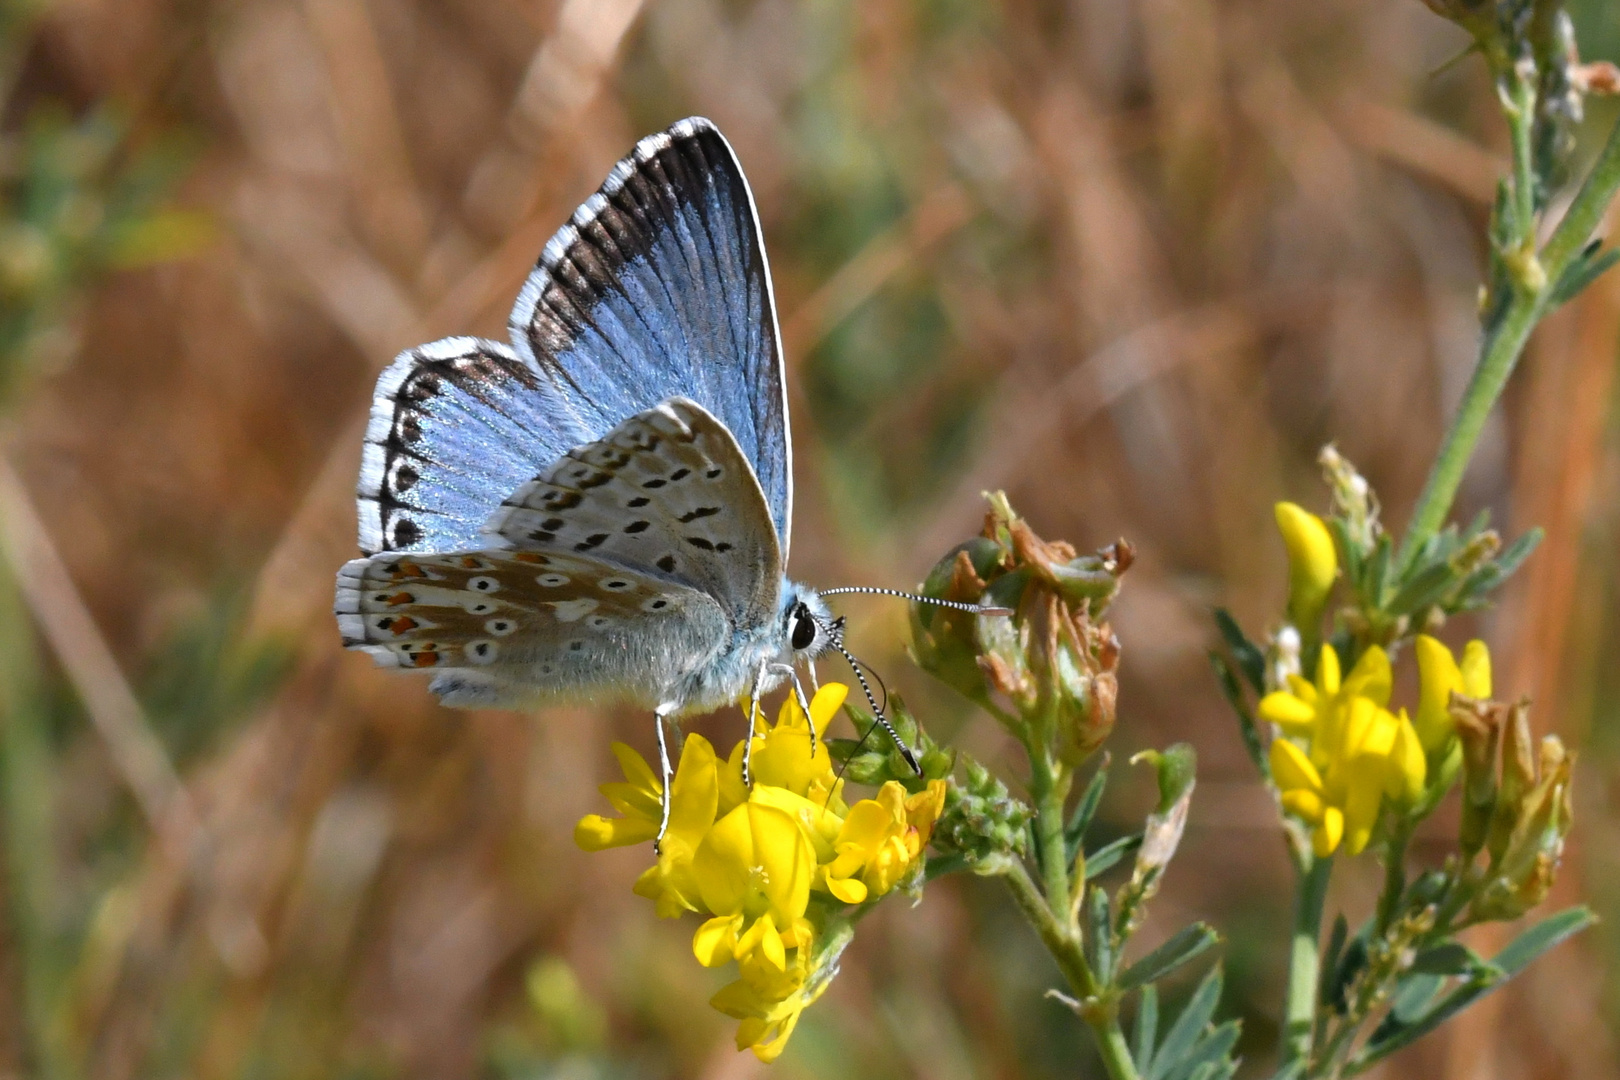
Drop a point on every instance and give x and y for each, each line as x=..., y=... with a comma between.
x=599, y=510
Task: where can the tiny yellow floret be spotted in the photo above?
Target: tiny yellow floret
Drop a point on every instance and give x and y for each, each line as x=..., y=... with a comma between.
x=1313, y=563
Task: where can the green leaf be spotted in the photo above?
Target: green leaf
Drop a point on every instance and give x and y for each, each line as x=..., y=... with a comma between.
x=1494, y=573
x=1351, y=552
x=1513, y=959
x=1208, y=1054
x=1146, y=1031
x=1375, y=574
x=1422, y=589
x=1105, y=857
x=1580, y=273
x=1099, y=934
x=1075, y=832
x=1326, y=989
x=1447, y=958
x=1413, y=994
x=1353, y=959
x=1189, y=1026
x=1186, y=944
x=1251, y=660
x=1246, y=725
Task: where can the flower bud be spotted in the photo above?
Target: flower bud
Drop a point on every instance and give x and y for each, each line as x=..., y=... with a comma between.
x=1479, y=727
x=1312, y=565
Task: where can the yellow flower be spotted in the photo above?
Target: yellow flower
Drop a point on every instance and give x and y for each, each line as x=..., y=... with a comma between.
x=694, y=796
x=782, y=755
x=881, y=840
x=754, y=871
x=1357, y=753
x=1312, y=563
x=1439, y=674
x=767, y=1021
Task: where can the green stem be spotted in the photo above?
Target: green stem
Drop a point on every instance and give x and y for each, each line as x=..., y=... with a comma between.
x=1096, y=1009
x=1304, y=961
x=1389, y=901
x=1505, y=342
x=1049, y=788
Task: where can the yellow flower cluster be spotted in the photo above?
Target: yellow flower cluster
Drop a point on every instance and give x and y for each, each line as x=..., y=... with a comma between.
x=1341, y=752
x=770, y=865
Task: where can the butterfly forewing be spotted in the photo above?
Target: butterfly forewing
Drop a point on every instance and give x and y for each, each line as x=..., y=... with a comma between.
x=455, y=425
x=667, y=492
x=519, y=628
x=659, y=288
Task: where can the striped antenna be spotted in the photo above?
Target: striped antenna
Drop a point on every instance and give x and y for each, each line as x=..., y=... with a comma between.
x=873, y=590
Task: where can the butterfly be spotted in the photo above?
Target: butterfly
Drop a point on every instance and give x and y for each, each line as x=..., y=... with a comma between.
x=599, y=509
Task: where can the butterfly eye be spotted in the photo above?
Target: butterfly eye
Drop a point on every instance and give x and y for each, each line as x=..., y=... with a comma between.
x=804, y=628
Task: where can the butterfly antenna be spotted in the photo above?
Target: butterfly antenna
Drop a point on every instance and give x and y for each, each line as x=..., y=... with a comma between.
x=874, y=590
x=905, y=751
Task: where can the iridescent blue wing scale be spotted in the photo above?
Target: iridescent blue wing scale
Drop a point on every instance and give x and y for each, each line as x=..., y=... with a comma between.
x=659, y=288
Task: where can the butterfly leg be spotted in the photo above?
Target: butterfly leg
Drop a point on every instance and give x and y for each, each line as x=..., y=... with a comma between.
x=753, y=713
x=659, y=717
x=804, y=702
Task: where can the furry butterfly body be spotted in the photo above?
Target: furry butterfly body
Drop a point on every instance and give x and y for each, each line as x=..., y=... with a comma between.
x=600, y=509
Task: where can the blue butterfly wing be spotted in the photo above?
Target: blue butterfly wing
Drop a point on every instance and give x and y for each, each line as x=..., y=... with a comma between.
x=456, y=425
x=657, y=288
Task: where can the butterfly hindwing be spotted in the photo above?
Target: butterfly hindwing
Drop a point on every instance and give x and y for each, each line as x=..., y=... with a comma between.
x=669, y=492
x=521, y=628
x=455, y=426
x=659, y=288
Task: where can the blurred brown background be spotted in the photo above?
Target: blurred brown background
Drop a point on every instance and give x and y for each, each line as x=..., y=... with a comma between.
x=1133, y=260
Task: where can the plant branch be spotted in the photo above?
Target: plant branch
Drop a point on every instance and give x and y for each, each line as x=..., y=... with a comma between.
x=1097, y=1011
x=1505, y=341
x=1304, y=961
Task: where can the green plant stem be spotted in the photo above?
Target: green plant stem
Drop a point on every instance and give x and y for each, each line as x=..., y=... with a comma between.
x=1098, y=1011
x=1505, y=341
x=1389, y=901
x=1048, y=787
x=1304, y=961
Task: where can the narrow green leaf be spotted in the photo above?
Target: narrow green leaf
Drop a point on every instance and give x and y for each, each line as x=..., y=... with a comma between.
x=1208, y=1052
x=1185, y=1032
x=1349, y=966
x=1413, y=994
x=1352, y=553
x=1580, y=273
x=1490, y=576
x=1251, y=660
x=1447, y=958
x=1246, y=723
x=1146, y=1032
x=1326, y=984
x=1186, y=944
x=1106, y=856
x=1099, y=934
x=1513, y=959
x=1075, y=832
x=1375, y=574
x=1523, y=950
x=1422, y=589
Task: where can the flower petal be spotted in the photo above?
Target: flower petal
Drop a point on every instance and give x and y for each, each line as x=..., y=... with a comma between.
x=1291, y=769
x=1476, y=670
x=1325, y=838
x=1304, y=804
x=1371, y=677
x=825, y=705
x=1293, y=715
x=595, y=832
x=715, y=942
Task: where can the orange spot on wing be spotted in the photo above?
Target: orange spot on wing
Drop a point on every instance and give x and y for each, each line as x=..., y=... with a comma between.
x=402, y=624
x=401, y=598
x=410, y=569
x=425, y=659
x=530, y=557
x=471, y=563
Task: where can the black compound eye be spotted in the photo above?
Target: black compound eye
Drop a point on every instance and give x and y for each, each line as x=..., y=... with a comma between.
x=804, y=628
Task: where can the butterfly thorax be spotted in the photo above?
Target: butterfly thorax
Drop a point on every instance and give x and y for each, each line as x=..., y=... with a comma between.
x=758, y=658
